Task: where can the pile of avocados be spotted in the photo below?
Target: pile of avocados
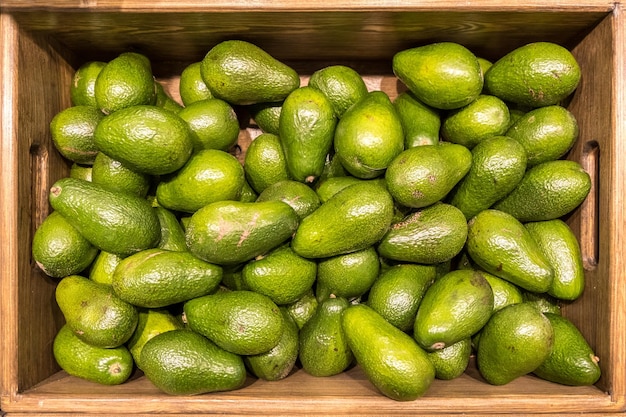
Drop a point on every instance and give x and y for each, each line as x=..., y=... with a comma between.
x=404, y=234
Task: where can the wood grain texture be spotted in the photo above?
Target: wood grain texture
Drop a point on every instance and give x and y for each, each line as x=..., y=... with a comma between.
x=263, y=5
x=355, y=35
x=43, y=43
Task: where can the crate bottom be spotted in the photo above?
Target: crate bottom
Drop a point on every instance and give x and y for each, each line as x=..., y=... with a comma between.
x=347, y=393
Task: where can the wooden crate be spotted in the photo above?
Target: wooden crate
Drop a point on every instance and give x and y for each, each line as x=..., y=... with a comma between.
x=43, y=42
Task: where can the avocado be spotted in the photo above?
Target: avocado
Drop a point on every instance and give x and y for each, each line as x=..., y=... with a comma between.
x=547, y=191
x=341, y=84
x=391, y=360
x=264, y=163
x=59, y=249
x=151, y=322
x=451, y=361
x=231, y=232
x=208, y=176
x=420, y=123
x=103, y=267
x=502, y=246
x=498, y=165
x=328, y=231
x=214, y=124
x=182, y=362
x=560, y=246
x=125, y=81
x=306, y=130
x=514, y=342
x=546, y=133
x=571, y=360
x=172, y=233
x=116, y=176
x=483, y=118
x=302, y=198
x=146, y=139
x=107, y=366
x=536, y=74
x=454, y=307
x=429, y=235
x=328, y=187
x=156, y=278
x=241, y=322
x=266, y=115
x=369, y=136
x=277, y=363
x=443, y=75
x=303, y=309
x=191, y=86
x=423, y=175
x=243, y=73
x=324, y=349
x=282, y=275
x=84, y=304
x=114, y=222
x=398, y=291
x=349, y=275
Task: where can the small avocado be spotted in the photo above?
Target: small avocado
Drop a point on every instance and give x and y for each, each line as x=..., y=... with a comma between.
x=243, y=73
x=328, y=231
x=112, y=221
x=172, y=233
x=107, y=366
x=514, y=342
x=264, y=163
x=349, y=275
x=547, y=191
x=369, y=136
x=241, y=322
x=451, y=361
x=59, y=249
x=156, y=278
x=231, y=232
x=301, y=197
x=94, y=313
x=536, y=74
x=208, y=176
x=277, y=363
x=391, y=359
x=546, y=133
x=443, y=75
x=398, y=291
x=306, y=130
x=429, y=235
x=324, y=350
x=498, y=165
x=483, y=118
x=423, y=175
x=342, y=85
x=420, y=123
x=182, y=362
x=502, y=246
x=559, y=244
x=453, y=308
x=152, y=321
x=282, y=275
x=125, y=81
x=147, y=139
x=571, y=360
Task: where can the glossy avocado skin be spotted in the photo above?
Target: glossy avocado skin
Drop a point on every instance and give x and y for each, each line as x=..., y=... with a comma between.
x=328, y=231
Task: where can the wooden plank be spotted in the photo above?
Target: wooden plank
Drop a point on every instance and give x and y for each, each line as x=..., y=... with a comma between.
x=346, y=393
x=356, y=35
x=226, y=5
